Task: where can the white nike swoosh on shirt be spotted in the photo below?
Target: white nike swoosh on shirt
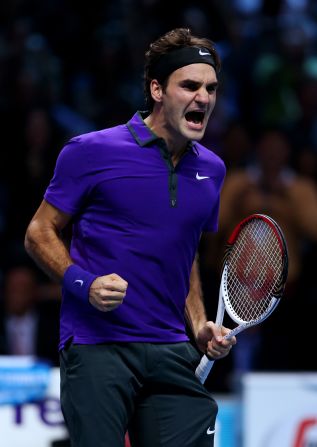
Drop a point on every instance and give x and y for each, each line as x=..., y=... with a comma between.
x=204, y=53
x=79, y=281
x=210, y=432
x=201, y=177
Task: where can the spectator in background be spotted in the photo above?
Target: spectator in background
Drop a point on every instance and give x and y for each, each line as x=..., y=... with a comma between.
x=236, y=146
x=271, y=187
x=306, y=163
x=33, y=163
x=304, y=130
x=29, y=316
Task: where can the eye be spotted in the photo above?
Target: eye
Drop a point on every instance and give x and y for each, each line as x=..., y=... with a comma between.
x=212, y=88
x=192, y=86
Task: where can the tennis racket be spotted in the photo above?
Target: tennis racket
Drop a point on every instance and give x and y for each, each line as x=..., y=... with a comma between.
x=253, y=278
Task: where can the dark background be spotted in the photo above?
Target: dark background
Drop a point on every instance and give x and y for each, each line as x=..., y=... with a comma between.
x=69, y=67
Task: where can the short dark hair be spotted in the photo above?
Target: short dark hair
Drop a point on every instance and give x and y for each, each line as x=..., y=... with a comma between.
x=172, y=40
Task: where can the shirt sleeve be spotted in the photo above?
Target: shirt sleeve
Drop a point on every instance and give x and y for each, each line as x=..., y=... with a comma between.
x=71, y=182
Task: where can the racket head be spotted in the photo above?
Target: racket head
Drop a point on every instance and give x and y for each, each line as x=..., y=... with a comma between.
x=254, y=270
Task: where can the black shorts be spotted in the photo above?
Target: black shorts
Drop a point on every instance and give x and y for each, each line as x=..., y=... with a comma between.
x=148, y=389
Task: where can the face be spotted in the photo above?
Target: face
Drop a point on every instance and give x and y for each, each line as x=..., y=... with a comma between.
x=20, y=291
x=273, y=151
x=187, y=102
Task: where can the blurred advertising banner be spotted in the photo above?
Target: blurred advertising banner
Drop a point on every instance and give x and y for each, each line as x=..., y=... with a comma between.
x=22, y=379
x=228, y=428
x=30, y=413
x=280, y=410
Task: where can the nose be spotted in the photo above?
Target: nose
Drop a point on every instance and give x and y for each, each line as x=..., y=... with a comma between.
x=202, y=96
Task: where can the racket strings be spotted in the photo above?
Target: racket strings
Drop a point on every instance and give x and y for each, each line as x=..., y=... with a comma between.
x=254, y=269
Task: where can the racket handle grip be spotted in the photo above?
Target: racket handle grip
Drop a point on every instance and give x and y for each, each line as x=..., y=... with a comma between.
x=203, y=369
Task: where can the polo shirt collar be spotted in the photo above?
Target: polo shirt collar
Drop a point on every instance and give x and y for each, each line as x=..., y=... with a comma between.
x=144, y=136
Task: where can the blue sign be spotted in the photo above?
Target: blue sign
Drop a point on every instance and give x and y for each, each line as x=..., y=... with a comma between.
x=22, y=380
x=228, y=427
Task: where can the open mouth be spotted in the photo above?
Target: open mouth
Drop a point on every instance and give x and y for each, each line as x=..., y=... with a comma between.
x=195, y=117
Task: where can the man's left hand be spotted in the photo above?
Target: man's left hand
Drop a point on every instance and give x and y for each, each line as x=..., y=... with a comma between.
x=210, y=340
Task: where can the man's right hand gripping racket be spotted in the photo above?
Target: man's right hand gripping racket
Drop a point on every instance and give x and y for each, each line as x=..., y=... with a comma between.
x=253, y=277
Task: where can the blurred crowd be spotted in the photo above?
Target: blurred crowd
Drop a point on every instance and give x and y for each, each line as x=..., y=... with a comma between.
x=69, y=67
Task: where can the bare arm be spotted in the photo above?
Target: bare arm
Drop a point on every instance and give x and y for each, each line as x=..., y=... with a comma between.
x=208, y=336
x=195, y=310
x=44, y=244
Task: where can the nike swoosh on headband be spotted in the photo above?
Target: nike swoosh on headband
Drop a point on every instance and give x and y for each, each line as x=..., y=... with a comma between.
x=204, y=53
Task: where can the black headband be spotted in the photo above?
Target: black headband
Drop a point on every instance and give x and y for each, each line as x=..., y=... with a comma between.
x=175, y=59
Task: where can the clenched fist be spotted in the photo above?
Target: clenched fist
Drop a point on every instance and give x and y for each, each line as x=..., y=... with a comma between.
x=107, y=292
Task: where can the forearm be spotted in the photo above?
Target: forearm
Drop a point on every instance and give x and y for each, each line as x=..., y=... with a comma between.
x=209, y=337
x=194, y=309
x=47, y=249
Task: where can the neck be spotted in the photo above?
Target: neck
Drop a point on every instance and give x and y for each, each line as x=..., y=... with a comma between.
x=176, y=144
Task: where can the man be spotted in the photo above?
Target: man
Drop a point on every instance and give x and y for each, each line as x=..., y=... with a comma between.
x=28, y=318
x=139, y=196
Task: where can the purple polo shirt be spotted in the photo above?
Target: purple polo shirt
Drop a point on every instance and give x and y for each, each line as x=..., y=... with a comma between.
x=136, y=215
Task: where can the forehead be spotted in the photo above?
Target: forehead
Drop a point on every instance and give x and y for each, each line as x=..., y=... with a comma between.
x=194, y=72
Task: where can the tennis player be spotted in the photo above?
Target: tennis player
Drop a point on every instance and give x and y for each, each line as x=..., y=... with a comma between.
x=139, y=196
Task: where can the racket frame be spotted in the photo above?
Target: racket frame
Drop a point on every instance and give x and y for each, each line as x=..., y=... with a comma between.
x=205, y=365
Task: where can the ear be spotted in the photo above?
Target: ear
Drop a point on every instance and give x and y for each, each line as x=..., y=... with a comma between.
x=156, y=90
